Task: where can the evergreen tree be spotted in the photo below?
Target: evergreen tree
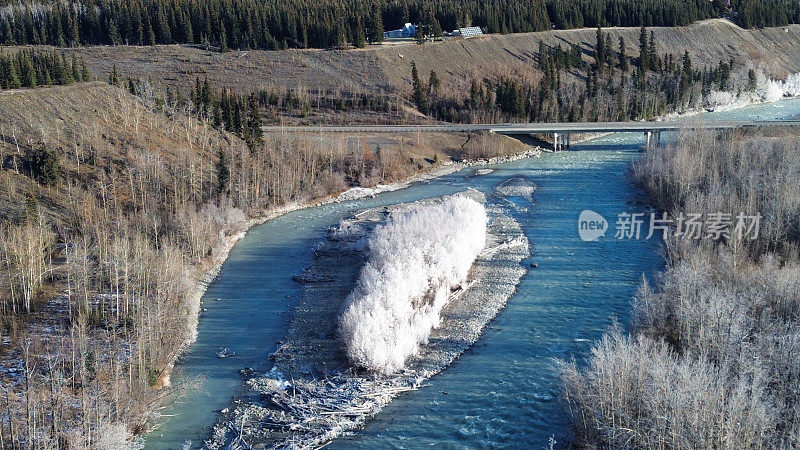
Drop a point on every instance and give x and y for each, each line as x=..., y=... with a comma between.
x=254, y=133
x=63, y=73
x=223, y=40
x=6, y=33
x=75, y=69
x=186, y=33
x=45, y=167
x=599, y=50
x=85, y=74
x=644, y=54
x=434, y=85
x=623, y=58
x=687, y=67
x=687, y=77
x=724, y=75
x=420, y=93
x=435, y=26
x=162, y=27
x=74, y=37
x=13, y=80
x=149, y=35
x=113, y=77
x=542, y=59
x=591, y=82
x=26, y=70
x=475, y=95
x=652, y=56
x=359, y=40
x=339, y=35
x=113, y=36
x=376, y=24
x=223, y=173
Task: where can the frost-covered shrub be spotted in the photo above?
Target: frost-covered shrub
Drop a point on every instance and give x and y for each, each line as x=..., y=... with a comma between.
x=767, y=90
x=712, y=358
x=638, y=393
x=415, y=258
x=116, y=436
x=791, y=87
x=716, y=99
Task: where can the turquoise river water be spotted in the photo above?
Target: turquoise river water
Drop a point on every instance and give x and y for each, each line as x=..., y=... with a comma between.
x=503, y=392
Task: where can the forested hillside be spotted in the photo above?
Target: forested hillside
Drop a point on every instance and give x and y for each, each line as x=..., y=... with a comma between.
x=541, y=76
x=274, y=24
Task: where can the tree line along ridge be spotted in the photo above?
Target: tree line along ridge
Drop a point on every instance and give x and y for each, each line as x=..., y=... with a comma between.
x=272, y=24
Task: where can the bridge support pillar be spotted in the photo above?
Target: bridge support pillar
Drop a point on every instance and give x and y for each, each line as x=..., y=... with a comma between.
x=652, y=139
x=556, y=142
x=569, y=140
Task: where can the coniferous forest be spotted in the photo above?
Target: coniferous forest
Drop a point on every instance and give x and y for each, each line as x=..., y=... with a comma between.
x=272, y=24
x=615, y=87
x=29, y=68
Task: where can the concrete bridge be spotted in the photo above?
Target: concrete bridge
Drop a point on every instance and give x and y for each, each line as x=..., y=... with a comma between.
x=560, y=133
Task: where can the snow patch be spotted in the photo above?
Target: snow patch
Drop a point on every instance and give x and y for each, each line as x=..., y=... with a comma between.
x=272, y=381
x=359, y=192
x=416, y=258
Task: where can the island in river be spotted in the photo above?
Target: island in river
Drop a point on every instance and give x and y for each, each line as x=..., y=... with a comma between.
x=313, y=394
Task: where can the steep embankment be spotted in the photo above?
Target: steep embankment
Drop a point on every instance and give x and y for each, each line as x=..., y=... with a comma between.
x=111, y=212
x=708, y=41
x=387, y=68
x=95, y=131
x=106, y=221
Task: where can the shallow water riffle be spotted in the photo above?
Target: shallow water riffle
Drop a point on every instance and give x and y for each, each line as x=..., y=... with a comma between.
x=501, y=392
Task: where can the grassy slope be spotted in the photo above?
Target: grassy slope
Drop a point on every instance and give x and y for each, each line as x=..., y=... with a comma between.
x=100, y=133
x=708, y=41
x=382, y=69
x=92, y=120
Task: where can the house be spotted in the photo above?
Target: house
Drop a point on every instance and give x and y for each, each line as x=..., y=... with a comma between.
x=408, y=31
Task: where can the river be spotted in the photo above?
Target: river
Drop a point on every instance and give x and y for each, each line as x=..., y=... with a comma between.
x=503, y=391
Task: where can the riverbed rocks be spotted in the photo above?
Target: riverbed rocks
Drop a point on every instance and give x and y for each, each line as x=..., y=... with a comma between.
x=312, y=394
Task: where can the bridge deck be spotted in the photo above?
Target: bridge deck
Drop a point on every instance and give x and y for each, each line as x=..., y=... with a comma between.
x=538, y=128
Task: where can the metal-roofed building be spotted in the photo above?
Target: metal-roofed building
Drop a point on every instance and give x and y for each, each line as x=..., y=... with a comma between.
x=468, y=32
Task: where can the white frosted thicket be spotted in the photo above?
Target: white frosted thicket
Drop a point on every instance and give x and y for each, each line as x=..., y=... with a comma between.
x=791, y=87
x=415, y=259
x=767, y=90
